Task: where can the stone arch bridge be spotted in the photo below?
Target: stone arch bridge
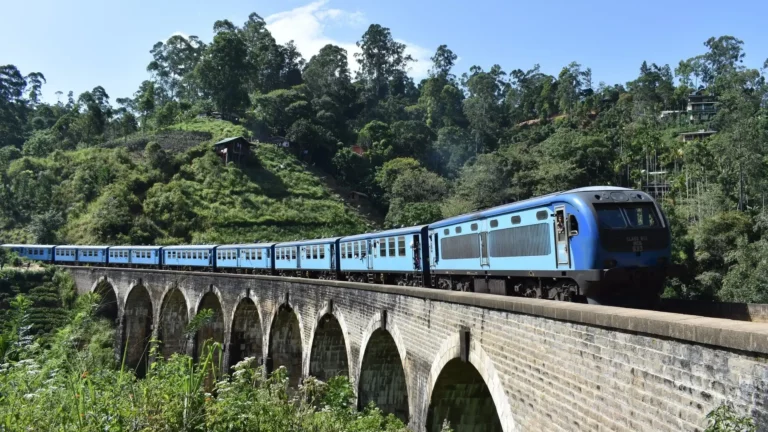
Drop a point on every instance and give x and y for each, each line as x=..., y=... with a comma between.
x=483, y=362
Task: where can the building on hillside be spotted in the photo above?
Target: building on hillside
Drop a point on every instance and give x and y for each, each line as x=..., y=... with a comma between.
x=701, y=108
x=357, y=149
x=698, y=135
x=233, y=149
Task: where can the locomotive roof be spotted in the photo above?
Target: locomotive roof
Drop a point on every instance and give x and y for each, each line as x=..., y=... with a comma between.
x=521, y=205
x=308, y=242
x=246, y=245
x=387, y=233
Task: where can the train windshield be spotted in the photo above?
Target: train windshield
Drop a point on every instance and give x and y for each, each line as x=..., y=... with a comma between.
x=630, y=215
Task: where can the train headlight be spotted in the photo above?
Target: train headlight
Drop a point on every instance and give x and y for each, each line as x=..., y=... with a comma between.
x=609, y=263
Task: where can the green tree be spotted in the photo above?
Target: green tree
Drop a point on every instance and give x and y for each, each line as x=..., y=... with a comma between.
x=381, y=58
x=224, y=67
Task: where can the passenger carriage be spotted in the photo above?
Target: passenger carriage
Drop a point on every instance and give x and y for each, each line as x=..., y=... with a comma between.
x=65, y=255
x=33, y=252
x=245, y=258
x=592, y=243
x=82, y=255
x=393, y=256
x=313, y=258
x=135, y=256
x=192, y=257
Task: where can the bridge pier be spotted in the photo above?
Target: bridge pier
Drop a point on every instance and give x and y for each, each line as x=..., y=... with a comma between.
x=482, y=362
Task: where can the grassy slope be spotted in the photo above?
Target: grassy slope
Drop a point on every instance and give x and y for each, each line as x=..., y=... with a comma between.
x=273, y=196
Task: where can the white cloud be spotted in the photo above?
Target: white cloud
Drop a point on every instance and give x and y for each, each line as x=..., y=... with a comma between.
x=306, y=27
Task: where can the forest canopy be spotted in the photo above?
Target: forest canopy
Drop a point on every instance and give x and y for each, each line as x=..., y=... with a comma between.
x=90, y=168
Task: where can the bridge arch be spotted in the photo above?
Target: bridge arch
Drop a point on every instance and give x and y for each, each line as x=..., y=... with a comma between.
x=215, y=329
x=382, y=376
x=172, y=320
x=329, y=351
x=246, y=333
x=286, y=342
x=468, y=394
x=109, y=301
x=138, y=316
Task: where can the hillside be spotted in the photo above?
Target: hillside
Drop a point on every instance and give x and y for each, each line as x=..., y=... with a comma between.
x=150, y=190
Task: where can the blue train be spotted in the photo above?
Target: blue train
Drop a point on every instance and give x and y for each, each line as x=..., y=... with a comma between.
x=601, y=244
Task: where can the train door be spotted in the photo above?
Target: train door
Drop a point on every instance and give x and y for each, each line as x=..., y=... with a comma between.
x=484, y=262
x=416, y=251
x=368, y=255
x=433, y=249
x=561, y=238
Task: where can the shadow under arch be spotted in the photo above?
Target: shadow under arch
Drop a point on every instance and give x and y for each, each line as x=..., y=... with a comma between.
x=214, y=329
x=138, y=315
x=468, y=394
x=108, y=306
x=172, y=321
x=286, y=343
x=246, y=335
x=329, y=350
x=382, y=378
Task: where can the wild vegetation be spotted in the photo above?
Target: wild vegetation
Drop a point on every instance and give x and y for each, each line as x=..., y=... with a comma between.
x=139, y=169
x=66, y=378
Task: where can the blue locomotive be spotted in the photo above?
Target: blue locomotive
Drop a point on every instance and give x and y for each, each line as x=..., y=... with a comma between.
x=601, y=244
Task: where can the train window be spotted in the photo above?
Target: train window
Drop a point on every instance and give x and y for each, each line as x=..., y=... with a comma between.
x=205, y=255
x=218, y=255
x=542, y=214
x=573, y=226
x=401, y=246
x=356, y=249
x=382, y=248
x=258, y=254
x=322, y=251
x=515, y=220
x=473, y=227
x=494, y=223
x=293, y=253
x=458, y=230
x=391, y=242
x=314, y=251
x=446, y=231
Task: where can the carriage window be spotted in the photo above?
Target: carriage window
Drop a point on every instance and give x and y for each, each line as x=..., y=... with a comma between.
x=258, y=254
x=382, y=247
x=293, y=253
x=494, y=223
x=542, y=214
x=446, y=231
x=205, y=255
x=391, y=242
x=473, y=227
x=322, y=251
x=401, y=246
x=458, y=230
x=515, y=220
x=573, y=226
x=357, y=249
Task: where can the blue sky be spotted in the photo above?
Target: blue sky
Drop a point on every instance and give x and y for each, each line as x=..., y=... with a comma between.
x=79, y=44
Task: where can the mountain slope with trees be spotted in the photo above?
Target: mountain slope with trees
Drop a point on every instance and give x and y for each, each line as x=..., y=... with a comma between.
x=420, y=151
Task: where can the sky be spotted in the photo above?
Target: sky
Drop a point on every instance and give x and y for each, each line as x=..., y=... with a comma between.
x=79, y=44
